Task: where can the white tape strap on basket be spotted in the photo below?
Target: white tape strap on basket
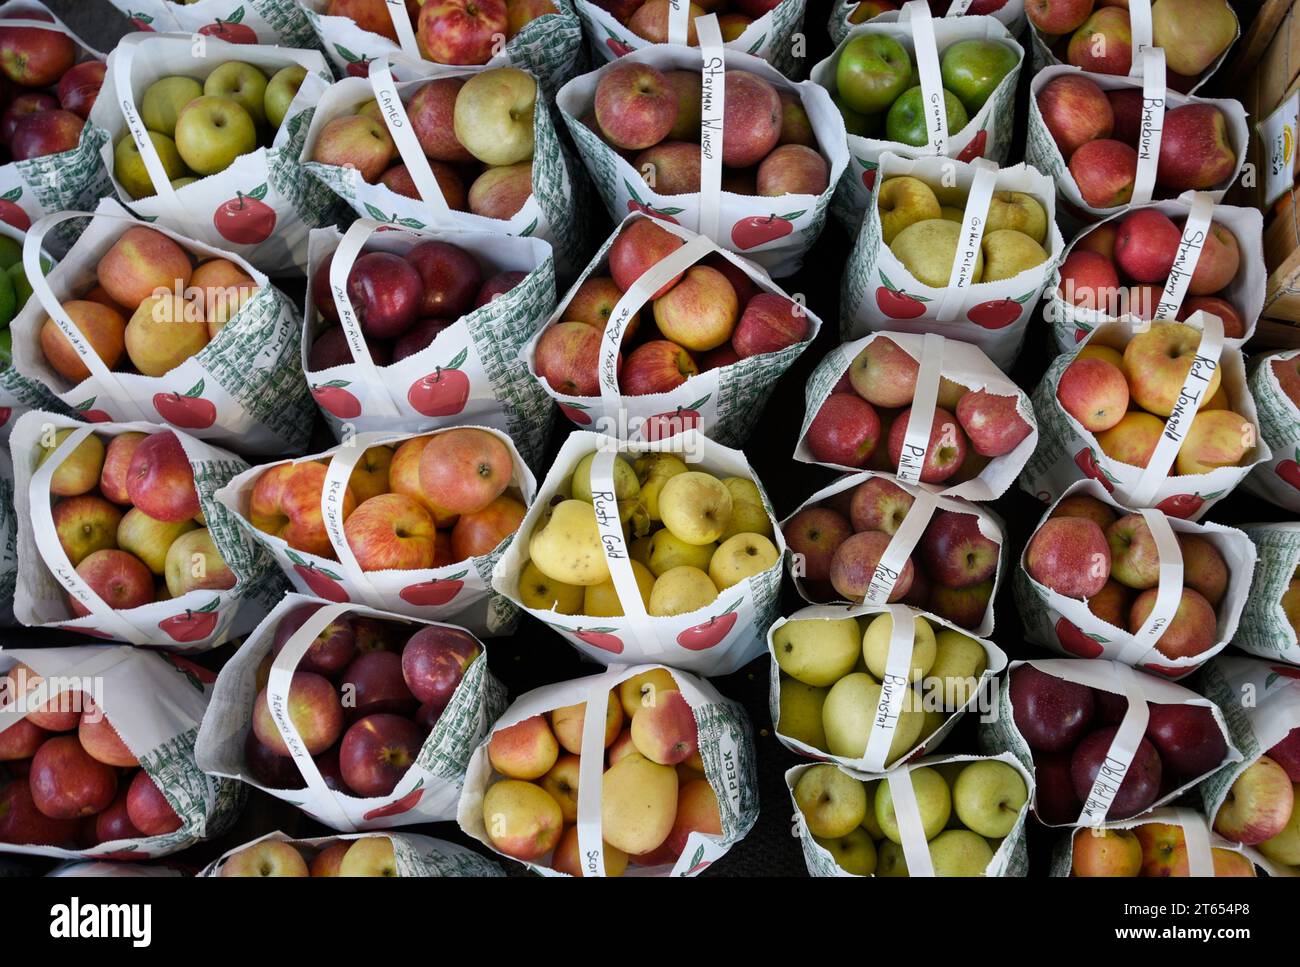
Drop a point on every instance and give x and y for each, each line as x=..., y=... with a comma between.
x=124, y=56
x=1169, y=594
x=277, y=698
x=933, y=103
x=402, y=25
x=713, y=88
x=1196, y=839
x=1199, y=218
x=1123, y=747
x=591, y=841
x=916, y=439
x=123, y=405
x=393, y=111
x=87, y=672
x=1141, y=29
x=894, y=689
x=900, y=547
x=911, y=828
x=1202, y=370
x=958, y=8
x=342, y=462
x=637, y=295
x=354, y=239
x=605, y=502
x=51, y=548
x=679, y=22
x=1151, y=62
x=973, y=221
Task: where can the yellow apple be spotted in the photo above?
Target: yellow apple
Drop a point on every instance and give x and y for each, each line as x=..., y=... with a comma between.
x=875, y=646
x=904, y=201
x=1096, y=351
x=927, y=250
x=541, y=593
x=817, y=651
x=641, y=690
x=695, y=506
x=601, y=600
x=567, y=724
x=800, y=716
x=653, y=471
x=369, y=856
x=853, y=853
x=1017, y=210
x=626, y=486
x=1007, y=253
x=849, y=714
x=748, y=515
x=1217, y=438
x=666, y=551
x=638, y=802
x=959, y=661
x=681, y=591
x=566, y=545
x=741, y=557
x=832, y=802
x=521, y=818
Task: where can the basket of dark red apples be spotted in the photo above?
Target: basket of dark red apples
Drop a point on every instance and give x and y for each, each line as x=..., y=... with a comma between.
x=928, y=409
x=1107, y=36
x=1165, y=260
x=544, y=37
x=1256, y=800
x=205, y=138
x=362, y=719
x=469, y=150
x=1270, y=622
x=882, y=76
x=665, y=332
x=137, y=322
x=847, y=14
x=945, y=552
x=411, y=524
x=49, y=80
x=1085, y=131
x=1097, y=580
x=120, y=535
x=766, y=28
x=671, y=759
x=280, y=23
x=408, y=330
x=1106, y=742
x=1164, y=842
x=638, y=124
x=1275, y=384
x=97, y=755
x=1158, y=412
x=356, y=854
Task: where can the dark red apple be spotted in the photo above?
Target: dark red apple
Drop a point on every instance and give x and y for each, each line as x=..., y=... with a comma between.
x=376, y=684
x=22, y=822
x=377, y=751
x=1287, y=754
x=148, y=808
x=269, y=768
x=499, y=284
x=386, y=292
x=79, y=87
x=1188, y=739
x=419, y=338
x=1054, y=798
x=114, y=823
x=1141, y=785
x=331, y=349
x=434, y=661
x=329, y=652
x=45, y=133
x=20, y=107
x=67, y=782
x=1050, y=713
x=954, y=551
x=450, y=276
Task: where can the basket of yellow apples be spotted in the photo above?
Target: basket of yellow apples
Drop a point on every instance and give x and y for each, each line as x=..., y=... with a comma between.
x=450, y=148
x=354, y=854
x=275, y=22
x=1097, y=580
x=544, y=37
x=884, y=75
x=1159, y=413
x=870, y=685
x=138, y=322
x=204, y=138
x=670, y=760
x=846, y=14
x=120, y=535
x=947, y=815
x=400, y=522
x=962, y=250
x=664, y=550
x=1275, y=384
x=1270, y=621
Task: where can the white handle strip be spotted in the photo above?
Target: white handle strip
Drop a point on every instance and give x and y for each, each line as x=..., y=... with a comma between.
x=1151, y=62
x=973, y=222
x=1195, y=231
x=713, y=94
x=393, y=111
x=1123, y=748
x=894, y=688
x=354, y=239
x=916, y=439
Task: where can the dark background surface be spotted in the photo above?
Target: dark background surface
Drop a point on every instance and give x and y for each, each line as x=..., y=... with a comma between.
x=535, y=655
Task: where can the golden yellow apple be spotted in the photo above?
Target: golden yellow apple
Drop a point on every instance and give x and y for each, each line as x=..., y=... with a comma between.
x=748, y=515
x=817, y=651
x=601, y=600
x=959, y=661
x=875, y=646
x=681, y=591
x=566, y=545
x=542, y=593
x=695, y=506
x=653, y=471
x=666, y=551
x=638, y=803
x=741, y=557
x=800, y=715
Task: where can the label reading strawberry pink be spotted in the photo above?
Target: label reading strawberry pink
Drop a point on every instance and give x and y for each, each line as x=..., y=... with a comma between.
x=1186, y=256
x=1152, y=123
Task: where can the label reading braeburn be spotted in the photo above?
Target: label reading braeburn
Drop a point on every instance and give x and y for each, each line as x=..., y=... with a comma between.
x=1151, y=124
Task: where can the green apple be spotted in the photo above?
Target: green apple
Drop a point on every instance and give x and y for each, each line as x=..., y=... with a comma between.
x=873, y=70
x=800, y=715
x=855, y=122
x=988, y=796
x=890, y=860
x=933, y=800
x=875, y=646
x=972, y=69
x=9, y=304
x=164, y=100
x=908, y=123
x=959, y=661
x=129, y=167
x=18, y=276
x=179, y=183
x=854, y=853
x=280, y=92
x=817, y=651
x=11, y=251
x=832, y=802
x=869, y=822
x=242, y=83
x=849, y=713
x=959, y=852
x=212, y=132
x=927, y=249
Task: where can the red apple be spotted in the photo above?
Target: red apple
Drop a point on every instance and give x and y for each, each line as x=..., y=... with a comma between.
x=22, y=106
x=101, y=741
x=313, y=708
x=1105, y=171
x=434, y=660
x=1075, y=111
x=793, y=169
x=1192, y=630
x=992, y=423
x=331, y=649
x=751, y=119
x=66, y=782
x=1234, y=326
x=45, y=133
x=79, y=87
x=813, y=535
x=148, y=808
x=35, y=56
x=377, y=751
x=386, y=292
x=638, y=246
x=479, y=533
x=373, y=683
x=496, y=285
x=1188, y=739
x=1089, y=280
x=1069, y=555
x=1195, y=151
x=845, y=431
x=656, y=367
x=121, y=580
x=769, y=324
x=954, y=551
x=114, y=823
x=159, y=479
x=879, y=504
x=568, y=358
x=1141, y=785
x=1146, y=245
x=431, y=112
x=635, y=105
x=854, y=565
x=461, y=31
x=22, y=822
x=944, y=451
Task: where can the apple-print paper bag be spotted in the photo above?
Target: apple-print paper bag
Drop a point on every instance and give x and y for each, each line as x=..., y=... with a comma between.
x=155, y=702
x=414, y=854
x=1266, y=628
x=1011, y=14
x=277, y=22
x=244, y=390
x=1273, y=378
x=196, y=621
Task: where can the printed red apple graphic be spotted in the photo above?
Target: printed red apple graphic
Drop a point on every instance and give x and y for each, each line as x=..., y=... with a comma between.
x=712, y=632
x=998, y=313
x=1081, y=332
x=576, y=412
x=635, y=204
x=976, y=147
x=1281, y=671
x=1185, y=505
x=11, y=213
x=335, y=400
x=1076, y=642
x=396, y=808
x=661, y=426
x=868, y=173
x=245, y=219
x=698, y=862
x=231, y=30
x=197, y=675
x=600, y=638
x=1289, y=469
x=617, y=46
x=188, y=410
x=1086, y=461
x=141, y=21
x=5, y=413
x=444, y=392
x=322, y=583
x=86, y=410
x=761, y=229
x=429, y=594
x=896, y=303
x=1166, y=670
x=192, y=625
